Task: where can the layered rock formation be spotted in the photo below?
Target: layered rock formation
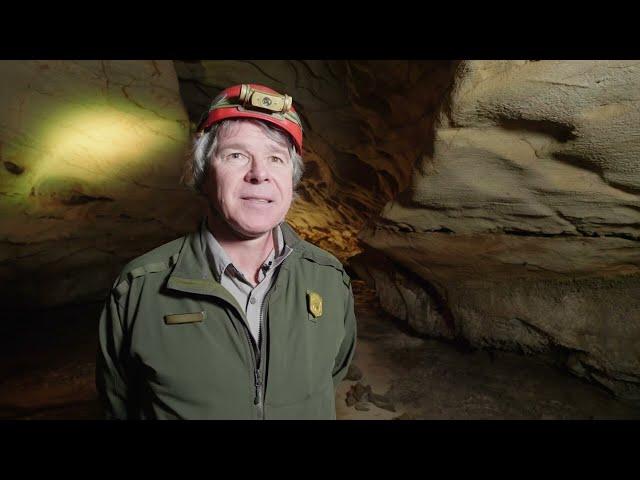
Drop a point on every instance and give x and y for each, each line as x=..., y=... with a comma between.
x=520, y=229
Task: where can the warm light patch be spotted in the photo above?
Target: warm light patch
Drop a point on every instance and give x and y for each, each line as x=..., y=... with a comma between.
x=97, y=146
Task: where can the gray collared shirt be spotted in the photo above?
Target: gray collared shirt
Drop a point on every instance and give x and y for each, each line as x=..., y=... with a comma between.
x=250, y=298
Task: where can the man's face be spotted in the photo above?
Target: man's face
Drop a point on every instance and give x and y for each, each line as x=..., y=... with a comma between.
x=250, y=182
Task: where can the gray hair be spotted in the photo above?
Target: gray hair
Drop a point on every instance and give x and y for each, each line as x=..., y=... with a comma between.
x=204, y=147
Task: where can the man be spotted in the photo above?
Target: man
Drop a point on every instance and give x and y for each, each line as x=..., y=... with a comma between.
x=241, y=319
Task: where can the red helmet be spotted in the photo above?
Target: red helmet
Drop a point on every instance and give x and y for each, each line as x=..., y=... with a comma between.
x=256, y=101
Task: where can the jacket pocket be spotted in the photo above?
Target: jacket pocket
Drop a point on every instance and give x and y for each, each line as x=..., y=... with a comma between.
x=319, y=405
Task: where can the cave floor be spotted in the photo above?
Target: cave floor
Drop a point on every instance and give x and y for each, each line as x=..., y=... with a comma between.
x=47, y=368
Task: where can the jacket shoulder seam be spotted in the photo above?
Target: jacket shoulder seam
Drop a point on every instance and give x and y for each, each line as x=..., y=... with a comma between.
x=153, y=266
x=325, y=259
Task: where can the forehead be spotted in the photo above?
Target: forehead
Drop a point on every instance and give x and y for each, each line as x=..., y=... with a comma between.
x=244, y=133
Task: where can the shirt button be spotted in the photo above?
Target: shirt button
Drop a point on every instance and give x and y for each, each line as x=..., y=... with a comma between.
x=252, y=300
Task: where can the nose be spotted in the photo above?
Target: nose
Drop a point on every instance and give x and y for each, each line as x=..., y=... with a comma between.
x=258, y=171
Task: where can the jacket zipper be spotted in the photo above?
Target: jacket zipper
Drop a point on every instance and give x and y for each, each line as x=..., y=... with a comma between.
x=257, y=355
x=261, y=352
x=257, y=374
x=258, y=400
x=257, y=378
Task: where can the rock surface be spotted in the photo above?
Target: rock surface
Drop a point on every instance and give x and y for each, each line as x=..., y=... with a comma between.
x=521, y=229
x=90, y=152
x=512, y=221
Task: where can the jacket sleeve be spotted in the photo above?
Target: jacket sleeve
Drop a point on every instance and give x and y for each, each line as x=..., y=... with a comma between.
x=348, y=346
x=111, y=378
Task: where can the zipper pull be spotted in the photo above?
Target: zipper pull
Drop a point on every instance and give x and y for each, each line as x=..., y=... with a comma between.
x=258, y=382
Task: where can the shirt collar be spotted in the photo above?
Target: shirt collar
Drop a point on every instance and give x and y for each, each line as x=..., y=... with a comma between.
x=219, y=260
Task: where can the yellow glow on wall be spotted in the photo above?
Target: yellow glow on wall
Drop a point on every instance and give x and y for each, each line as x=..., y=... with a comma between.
x=98, y=145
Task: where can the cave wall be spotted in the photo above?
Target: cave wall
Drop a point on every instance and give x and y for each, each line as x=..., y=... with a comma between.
x=496, y=201
x=90, y=152
x=520, y=230
x=91, y=155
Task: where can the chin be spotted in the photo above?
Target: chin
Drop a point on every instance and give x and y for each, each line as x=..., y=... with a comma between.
x=256, y=228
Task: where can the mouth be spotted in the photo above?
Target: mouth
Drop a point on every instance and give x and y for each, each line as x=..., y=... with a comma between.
x=261, y=200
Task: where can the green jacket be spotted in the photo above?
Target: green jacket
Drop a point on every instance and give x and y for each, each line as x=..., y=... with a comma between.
x=173, y=343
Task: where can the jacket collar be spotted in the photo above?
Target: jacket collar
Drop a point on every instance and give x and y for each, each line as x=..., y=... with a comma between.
x=192, y=274
x=219, y=260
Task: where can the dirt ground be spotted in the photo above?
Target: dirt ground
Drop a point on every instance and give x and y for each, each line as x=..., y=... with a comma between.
x=47, y=368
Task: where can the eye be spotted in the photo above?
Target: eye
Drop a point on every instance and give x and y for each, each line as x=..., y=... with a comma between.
x=277, y=159
x=236, y=156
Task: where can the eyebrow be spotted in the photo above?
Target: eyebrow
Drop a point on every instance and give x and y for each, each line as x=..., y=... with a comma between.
x=232, y=146
x=239, y=146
